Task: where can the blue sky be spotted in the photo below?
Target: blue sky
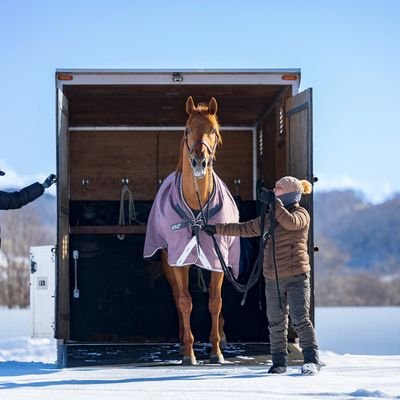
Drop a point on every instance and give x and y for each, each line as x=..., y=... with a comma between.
x=348, y=52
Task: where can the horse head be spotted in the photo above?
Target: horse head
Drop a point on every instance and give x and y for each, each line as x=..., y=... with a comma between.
x=201, y=136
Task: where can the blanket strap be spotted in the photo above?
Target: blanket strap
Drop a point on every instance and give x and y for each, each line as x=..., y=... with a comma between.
x=195, y=223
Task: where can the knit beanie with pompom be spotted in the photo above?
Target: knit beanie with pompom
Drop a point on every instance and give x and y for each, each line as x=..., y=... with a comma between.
x=292, y=189
x=291, y=184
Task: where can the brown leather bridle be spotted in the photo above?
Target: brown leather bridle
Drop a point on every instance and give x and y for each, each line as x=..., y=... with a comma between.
x=211, y=150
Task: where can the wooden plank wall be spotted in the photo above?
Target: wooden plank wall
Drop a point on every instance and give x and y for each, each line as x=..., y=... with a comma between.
x=105, y=158
x=100, y=160
x=274, y=164
x=234, y=160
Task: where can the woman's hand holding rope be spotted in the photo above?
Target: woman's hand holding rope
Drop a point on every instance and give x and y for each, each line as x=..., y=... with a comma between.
x=210, y=230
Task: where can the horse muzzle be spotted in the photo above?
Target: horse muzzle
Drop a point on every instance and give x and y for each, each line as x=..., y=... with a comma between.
x=199, y=166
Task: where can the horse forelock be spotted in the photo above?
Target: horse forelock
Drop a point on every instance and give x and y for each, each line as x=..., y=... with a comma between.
x=201, y=111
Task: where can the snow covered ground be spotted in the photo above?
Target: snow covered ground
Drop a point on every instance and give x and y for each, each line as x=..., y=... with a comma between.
x=27, y=369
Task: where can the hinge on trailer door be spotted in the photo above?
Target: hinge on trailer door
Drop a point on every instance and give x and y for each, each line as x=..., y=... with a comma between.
x=297, y=109
x=33, y=267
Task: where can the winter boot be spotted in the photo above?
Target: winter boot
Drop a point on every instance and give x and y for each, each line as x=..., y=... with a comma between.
x=312, y=364
x=279, y=363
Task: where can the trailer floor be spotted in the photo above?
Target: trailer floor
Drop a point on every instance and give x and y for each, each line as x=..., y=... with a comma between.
x=155, y=354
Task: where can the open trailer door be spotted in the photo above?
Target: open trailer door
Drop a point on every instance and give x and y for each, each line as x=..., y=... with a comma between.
x=299, y=157
x=299, y=129
x=62, y=266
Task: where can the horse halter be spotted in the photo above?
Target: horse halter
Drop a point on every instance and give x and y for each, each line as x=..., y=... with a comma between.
x=211, y=150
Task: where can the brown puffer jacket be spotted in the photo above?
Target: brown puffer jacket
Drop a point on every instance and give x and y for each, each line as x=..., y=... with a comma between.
x=291, y=236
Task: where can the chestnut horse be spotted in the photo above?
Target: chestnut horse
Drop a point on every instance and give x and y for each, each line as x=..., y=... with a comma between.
x=201, y=136
x=199, y=186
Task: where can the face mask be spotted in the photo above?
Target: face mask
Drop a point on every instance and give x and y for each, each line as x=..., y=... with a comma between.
x=290, y=198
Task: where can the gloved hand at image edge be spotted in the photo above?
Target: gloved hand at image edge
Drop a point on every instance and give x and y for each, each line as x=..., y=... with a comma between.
x=209, y=229
x=49, y=181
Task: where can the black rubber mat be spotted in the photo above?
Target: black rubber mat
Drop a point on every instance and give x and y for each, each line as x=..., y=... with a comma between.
x=153, y=355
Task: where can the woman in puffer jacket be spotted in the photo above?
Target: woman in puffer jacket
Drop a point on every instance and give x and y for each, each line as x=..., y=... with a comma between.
x=291, y=250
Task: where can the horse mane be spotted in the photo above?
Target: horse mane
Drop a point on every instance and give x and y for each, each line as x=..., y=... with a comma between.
x=200, y=110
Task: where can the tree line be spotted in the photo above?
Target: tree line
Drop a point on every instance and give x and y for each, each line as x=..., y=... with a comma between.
x=21, y=229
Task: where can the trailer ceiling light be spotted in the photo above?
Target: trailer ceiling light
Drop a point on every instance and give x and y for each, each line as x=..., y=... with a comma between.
x=177, y=77
x=289, y=77
x=65, y=77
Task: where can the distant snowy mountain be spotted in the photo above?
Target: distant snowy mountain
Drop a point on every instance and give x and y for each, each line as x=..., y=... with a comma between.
x=45, y=207
x=367, y=236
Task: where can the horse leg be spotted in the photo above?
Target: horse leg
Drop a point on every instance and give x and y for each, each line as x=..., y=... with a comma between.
x=215, y=306
x=169, y=274
x=185, y=308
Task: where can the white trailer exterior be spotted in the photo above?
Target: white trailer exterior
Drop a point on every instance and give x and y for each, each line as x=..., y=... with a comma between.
x=42, y=290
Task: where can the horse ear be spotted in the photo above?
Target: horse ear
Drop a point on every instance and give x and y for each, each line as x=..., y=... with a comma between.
x=212, y=106
x=189, y=105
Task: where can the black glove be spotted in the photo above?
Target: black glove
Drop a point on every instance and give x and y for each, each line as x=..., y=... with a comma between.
x=209, y=229
x=49, y=181
x=266, y=196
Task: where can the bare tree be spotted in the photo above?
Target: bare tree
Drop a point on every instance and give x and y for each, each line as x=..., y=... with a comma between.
x=21, y=229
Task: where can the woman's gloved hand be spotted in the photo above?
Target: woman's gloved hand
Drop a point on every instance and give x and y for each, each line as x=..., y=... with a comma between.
x=49, y=181
x=209, y=229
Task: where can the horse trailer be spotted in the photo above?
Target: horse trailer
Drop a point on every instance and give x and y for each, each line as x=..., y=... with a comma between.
x=118, y=136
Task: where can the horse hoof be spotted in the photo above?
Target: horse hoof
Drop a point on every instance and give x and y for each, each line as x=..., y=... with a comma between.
x=223, y=343
x=217, y=359
x=189, y=360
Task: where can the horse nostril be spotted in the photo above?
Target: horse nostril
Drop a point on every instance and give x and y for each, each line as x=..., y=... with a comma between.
x=194, y=162
x=204, y=163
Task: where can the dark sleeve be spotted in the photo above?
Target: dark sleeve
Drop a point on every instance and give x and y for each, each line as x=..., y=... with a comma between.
x=15, y=200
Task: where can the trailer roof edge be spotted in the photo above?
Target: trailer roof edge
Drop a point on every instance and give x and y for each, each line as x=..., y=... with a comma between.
x=88, y=71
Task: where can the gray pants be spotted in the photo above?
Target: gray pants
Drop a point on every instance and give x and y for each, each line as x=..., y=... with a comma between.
x=295, y=296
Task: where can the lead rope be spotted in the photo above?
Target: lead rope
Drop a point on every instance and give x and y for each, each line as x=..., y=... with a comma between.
x=201, y=283
x=200, y=278
x=131, y=209
x=258, y=266
x=256, y=270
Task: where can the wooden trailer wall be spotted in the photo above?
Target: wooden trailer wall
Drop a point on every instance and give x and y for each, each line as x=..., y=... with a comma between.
x=100, y=160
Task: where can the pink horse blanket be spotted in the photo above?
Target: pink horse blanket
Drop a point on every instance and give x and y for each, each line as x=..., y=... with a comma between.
x=172, y=225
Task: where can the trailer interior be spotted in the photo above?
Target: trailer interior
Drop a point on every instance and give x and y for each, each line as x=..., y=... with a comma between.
x=123, y=129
